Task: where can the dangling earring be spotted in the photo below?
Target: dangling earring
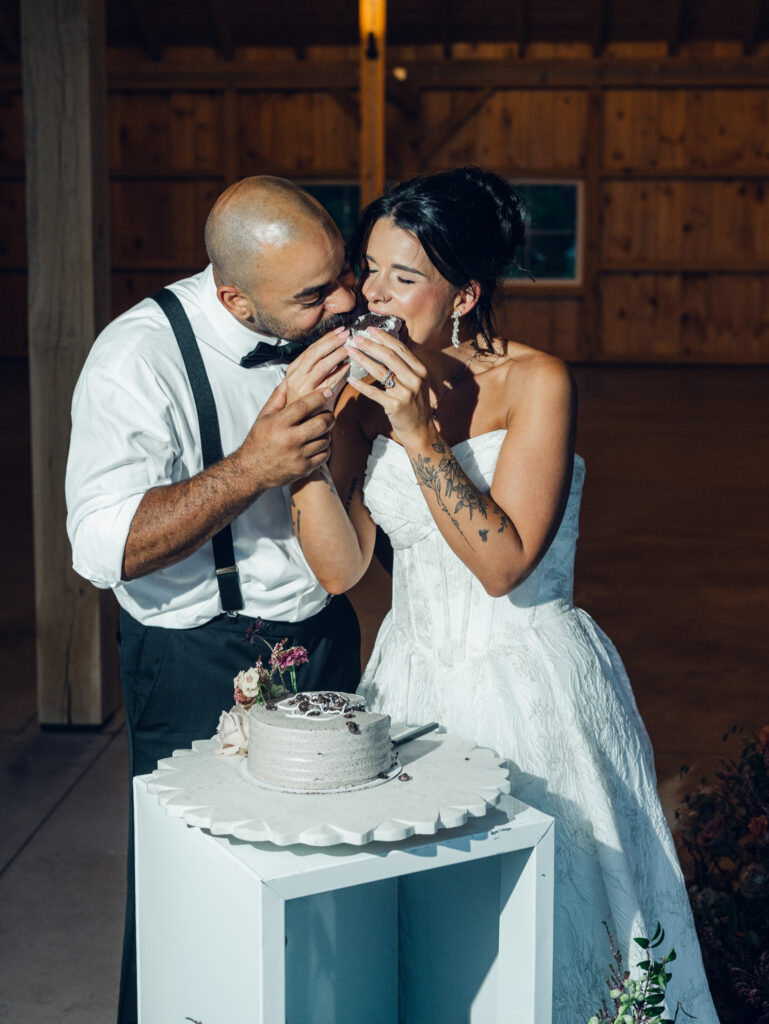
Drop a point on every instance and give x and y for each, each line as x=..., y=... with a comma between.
x=455, y=316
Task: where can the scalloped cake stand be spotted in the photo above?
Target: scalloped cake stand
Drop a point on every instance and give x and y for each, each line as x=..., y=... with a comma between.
x=450, y=781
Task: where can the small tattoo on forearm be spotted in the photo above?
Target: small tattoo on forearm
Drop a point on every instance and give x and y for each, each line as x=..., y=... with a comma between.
x=350, y=494
x=484, y=535
x=327, y=479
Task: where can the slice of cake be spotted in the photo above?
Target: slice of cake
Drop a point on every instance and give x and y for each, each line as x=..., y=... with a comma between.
x=317, y=741
x=385, y=322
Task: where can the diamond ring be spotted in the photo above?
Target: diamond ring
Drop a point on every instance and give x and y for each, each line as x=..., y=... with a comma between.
x=389, y=381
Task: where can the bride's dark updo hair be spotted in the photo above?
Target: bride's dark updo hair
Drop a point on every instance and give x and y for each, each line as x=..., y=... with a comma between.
x=469, y=222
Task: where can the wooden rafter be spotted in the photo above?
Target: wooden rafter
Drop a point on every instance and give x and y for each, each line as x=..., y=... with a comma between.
x=522, y=26
x=449, y=126
x=9, y=40
x=348, y=103
x=750, y=38
x=216, y=11
x=147, y=28
x=404, y=97
x=295, y=32
x=677, y=23
x=447, y=28
x=600, y=26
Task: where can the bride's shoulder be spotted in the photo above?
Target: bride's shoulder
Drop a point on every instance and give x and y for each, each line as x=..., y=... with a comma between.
x=532, y=374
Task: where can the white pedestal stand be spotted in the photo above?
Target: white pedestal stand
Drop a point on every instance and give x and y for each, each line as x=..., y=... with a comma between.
x=443, y=929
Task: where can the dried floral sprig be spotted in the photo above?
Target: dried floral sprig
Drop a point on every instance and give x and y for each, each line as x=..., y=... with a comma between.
x=638, y=1000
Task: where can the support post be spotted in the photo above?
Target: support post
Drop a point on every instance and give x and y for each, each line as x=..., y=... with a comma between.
x=64, y=76
x=373, y=22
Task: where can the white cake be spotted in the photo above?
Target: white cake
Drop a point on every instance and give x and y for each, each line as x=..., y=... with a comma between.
x=317, y=741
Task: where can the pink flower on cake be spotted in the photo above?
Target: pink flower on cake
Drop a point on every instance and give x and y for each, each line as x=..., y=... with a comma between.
x=284, y=660
x=232, y=732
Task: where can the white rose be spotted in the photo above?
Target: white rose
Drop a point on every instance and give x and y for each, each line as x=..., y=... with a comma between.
x=248, y=682
x=232, y=732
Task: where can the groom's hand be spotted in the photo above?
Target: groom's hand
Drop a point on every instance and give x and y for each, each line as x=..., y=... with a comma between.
x=289, y=440
x=322, y=365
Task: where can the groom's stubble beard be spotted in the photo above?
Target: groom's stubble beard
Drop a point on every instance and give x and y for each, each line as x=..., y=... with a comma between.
x=273, y=327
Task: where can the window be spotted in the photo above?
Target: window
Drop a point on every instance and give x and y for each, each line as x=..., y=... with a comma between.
x=552, y=250
x=552, y=213
x=342, y=200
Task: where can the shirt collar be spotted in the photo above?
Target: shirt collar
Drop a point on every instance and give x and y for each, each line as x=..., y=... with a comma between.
x=230, y=337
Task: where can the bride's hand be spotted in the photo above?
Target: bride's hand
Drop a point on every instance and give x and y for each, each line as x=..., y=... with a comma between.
x=322, y=365
x=403, y=392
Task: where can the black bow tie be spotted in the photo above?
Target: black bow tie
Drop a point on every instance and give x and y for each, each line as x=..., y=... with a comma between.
x=266, y=353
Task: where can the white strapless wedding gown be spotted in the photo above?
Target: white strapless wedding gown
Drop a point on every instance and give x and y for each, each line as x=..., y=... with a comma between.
x=536, y=680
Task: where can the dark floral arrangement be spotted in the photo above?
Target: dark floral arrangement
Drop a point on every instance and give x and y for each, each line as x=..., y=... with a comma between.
x=724, y=844
x=261, y=682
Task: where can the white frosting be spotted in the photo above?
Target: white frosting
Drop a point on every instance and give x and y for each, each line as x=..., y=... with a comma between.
x=314, y=748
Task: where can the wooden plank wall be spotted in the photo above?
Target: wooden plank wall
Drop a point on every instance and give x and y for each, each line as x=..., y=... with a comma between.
x=676, y=260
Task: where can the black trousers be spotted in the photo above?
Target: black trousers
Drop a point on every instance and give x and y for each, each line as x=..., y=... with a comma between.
x=176, y=683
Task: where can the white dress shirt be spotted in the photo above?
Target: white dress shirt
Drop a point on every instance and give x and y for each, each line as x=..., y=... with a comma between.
x=134, y=427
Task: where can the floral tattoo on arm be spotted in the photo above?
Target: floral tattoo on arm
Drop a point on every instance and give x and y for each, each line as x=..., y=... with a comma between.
x=449, y=480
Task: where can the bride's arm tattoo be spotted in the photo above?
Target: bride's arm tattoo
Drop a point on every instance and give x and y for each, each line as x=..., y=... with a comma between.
x=457, y=483
x=427, y=477
x=450, y=478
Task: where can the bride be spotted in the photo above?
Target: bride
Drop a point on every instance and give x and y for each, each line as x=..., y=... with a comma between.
x=460, y=445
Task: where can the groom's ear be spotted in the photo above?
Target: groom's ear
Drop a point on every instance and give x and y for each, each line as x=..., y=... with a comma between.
x=234, y=301
x=467, y=298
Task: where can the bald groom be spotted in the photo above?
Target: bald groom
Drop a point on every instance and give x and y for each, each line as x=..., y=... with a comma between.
x=183, y=449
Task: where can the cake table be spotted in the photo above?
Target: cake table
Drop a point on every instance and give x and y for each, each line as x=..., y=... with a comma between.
x=450, y=926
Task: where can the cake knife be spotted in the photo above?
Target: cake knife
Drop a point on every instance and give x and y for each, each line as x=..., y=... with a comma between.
x=412, y=734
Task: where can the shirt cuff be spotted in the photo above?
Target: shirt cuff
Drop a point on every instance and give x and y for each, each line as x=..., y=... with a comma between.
x=99, y=540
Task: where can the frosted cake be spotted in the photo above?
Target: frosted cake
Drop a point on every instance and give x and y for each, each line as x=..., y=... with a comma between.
x=318, y=741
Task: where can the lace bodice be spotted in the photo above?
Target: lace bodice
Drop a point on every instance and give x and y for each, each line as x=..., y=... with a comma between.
x=439, y=600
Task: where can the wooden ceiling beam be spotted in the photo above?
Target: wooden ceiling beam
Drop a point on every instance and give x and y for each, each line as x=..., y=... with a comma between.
x=750, y=38
x=147, y=29
x=522, y=26
x=216, y=11
x=677, y=26
x=600, y=26
x=295, y=33
x=9, y=40
x=447, y=28
x=438, y=74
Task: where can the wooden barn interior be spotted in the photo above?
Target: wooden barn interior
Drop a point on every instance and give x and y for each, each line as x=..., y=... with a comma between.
x=120, y=122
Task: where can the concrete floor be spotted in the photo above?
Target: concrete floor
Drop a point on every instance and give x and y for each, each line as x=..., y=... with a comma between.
x=672, y=563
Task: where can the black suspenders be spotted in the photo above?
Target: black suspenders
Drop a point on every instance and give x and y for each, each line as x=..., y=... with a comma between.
x=210, y=439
